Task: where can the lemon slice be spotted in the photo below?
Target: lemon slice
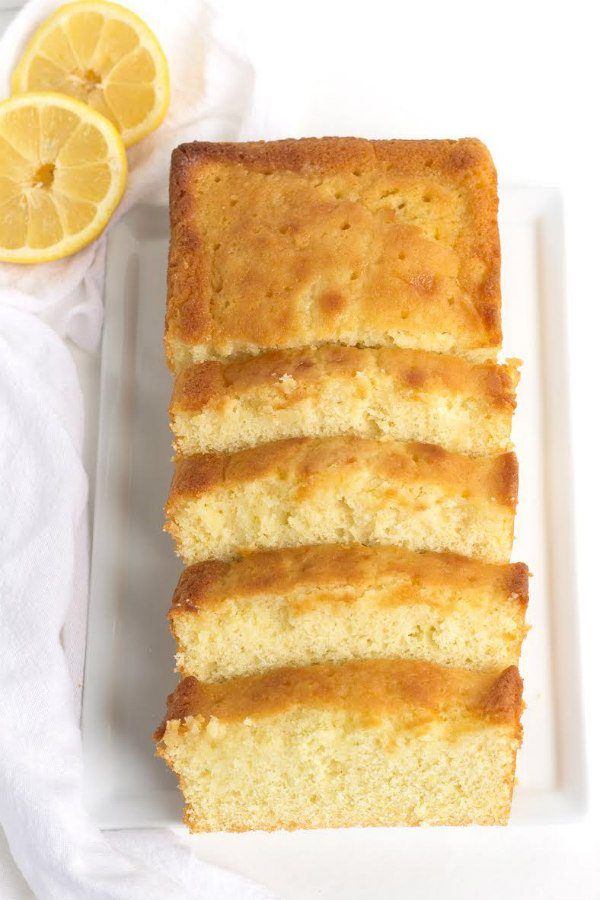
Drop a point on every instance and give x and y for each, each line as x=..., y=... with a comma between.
x=104, y=55
x=63, y=169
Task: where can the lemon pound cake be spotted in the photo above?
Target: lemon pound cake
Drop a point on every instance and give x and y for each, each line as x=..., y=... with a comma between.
x=339, y=240
x=408, y=395
x=342, y=490
x=385, y=742
x=332, y=603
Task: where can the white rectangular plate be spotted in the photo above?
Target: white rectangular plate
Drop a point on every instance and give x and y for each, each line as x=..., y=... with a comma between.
x=134, y=570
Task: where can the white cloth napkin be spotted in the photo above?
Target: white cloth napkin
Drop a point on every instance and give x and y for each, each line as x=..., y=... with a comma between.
x=218, y=92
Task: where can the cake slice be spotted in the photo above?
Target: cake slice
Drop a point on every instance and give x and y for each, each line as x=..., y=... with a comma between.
x=342, y=490
x=332, y=603
x=408, y=395
x=337, y=240
x=385, y=742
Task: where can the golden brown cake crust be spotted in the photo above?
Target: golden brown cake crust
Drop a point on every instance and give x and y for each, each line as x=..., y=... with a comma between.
x=330, y=155
x=494, y=478
x=369, y=686
x=333, y=565
x=209, y=383
x=417, y=281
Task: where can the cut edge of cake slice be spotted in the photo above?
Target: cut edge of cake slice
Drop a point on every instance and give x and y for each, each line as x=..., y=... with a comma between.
x=342, y=490
x=384, y=393
x=366, y=743
x=334, y=603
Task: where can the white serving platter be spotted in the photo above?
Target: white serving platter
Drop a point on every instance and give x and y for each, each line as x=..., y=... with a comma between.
x=129, y=658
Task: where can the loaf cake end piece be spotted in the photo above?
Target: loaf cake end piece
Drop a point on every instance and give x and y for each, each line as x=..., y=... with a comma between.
x=333, y=240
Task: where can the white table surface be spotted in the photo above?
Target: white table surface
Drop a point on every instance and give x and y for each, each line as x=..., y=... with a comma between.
x=523, y=76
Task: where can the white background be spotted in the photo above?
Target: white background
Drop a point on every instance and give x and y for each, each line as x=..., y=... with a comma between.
x=523, y=76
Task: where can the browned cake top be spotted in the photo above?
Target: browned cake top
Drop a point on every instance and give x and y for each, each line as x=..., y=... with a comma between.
x=345, y=240
x=209, y=383
x=369, y=686
x=308, y=460
x=329, y=566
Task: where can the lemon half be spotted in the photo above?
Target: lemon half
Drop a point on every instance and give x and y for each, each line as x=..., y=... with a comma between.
x=105, y=56
x=63, y=170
